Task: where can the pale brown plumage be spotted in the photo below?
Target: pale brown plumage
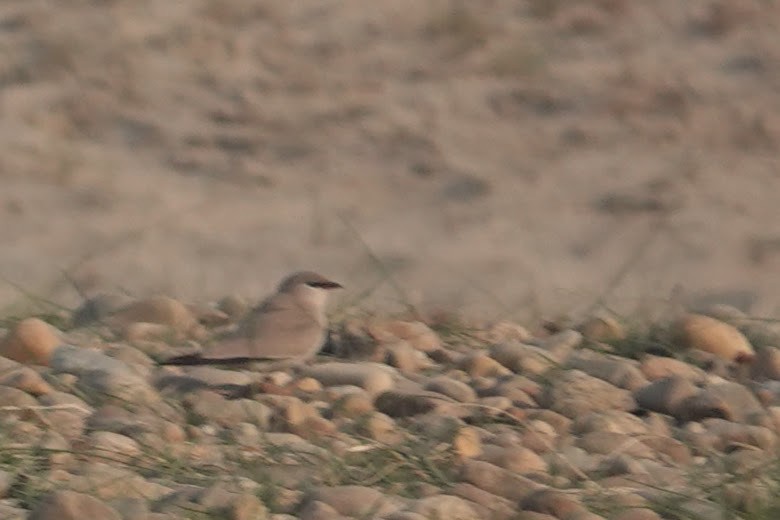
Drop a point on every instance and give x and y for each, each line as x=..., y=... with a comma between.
x=289, y=324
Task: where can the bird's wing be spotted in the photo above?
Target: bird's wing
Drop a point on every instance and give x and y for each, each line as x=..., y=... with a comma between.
x=277, y=328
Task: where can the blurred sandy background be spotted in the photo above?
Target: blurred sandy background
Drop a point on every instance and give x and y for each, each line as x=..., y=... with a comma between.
x=494, y=156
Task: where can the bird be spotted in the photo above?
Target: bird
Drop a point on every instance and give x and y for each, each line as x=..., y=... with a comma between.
x=289, y=324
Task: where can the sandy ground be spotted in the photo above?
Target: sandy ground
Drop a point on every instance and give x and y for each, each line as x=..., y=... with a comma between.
x=502, y=156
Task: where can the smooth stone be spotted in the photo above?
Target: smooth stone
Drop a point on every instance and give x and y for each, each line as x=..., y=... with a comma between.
x=353, y=404
x=727, y=400
x=406, y=358
x=496, y=480
x=114, y=446
x=417, y=334
x=444, y=506
x=396, y=403
x=467, y=442
x=97, y=308
x=101, y=376
x=615, y=370
x=575, y=393
x=357, y=501
x=70, y=505
x=381, y=428
x=31, y=341
x=523, y=359
x=371, y=377
x=552, y=502
x=602, y=328
x=666, y=395
x=767, y=364
x=613, y=421
x=658, y=367
x=517, y=459
x=27, y=380
x=452, y=388
x=714, y=336
x=161, y=310
x=500, y=508
x=604, y=443
x=482, y=365
x=210, y=406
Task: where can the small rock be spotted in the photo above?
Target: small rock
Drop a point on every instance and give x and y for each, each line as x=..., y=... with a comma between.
x=767, y=364
x=665, y=395
x=30, y=341
x=27, y=380
x=114, y=446
x=500, y=508
x=371, y=377
x=496, y=480
x=406, y=358
x=97, y=308
x=444, y=506
x=216, y=377
x=517, y=459
x=613, y=421
x=452, y=388
x=505, y=331
x=671, y=448
x=69, y=505
x=13, y=397
x=637, y=513
x=210, y=406
x=482, y=365
x=552, y=502
x=357, y=501
x=416, y=333
x=161, y=310
x=467, y=443
x=716, y=337
x=658, y=367
x=602, y=328
x=520, y=358
x=575, y=393
x=381, y=428
x=316, y=510
x=619, y=371
x=397, y=403
x=730, y=401
x=561, y=344
x=353, y=404
x=102, y=377
x=603, y=443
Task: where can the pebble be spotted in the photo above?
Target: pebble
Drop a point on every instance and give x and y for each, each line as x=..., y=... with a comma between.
x=714, y=336
x=452, y=388
x=444, y=506
x=69, y=505
x=602, y=328
x=357, y=501
x=371, y=377
x=396, y=403
x=31, y=341
x=102, y=377
x=666, y=395
x=615, y=370
x=26, y=380
x=482, y=365
x=496, y=480
x=576, y=393
x=416, y=333
x=161, y=310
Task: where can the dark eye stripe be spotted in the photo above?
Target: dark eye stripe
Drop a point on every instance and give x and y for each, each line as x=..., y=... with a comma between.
x=324, y=285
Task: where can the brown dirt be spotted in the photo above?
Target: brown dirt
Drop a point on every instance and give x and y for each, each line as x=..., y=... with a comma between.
x=499, y=155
